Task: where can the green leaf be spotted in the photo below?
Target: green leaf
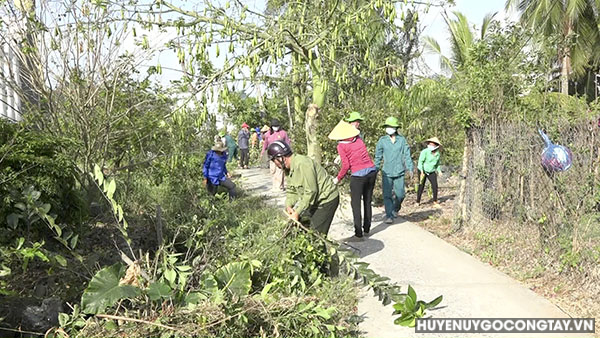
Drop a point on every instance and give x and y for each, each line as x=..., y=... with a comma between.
x=235, y=277
x=104, y=290
x=110, y=190
x=434, y=302
x=12, y=220
x=63, y=319
x=412, y=294
x=209, y=283
x=20, y=206
x=409, y=305
x=61, y=260
x=193, y=298
x=170, y=276
x=158, y=290
x=45, y=208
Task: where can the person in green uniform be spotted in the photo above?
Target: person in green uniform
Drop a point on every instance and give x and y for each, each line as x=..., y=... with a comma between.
x=310, y=192
x=393, y=150
x=429, y=167
x=230, y=144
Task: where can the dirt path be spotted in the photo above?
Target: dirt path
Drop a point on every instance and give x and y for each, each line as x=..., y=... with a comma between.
x=408, y=254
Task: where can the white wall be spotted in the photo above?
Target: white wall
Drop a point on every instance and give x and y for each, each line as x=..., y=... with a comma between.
x=10, y=101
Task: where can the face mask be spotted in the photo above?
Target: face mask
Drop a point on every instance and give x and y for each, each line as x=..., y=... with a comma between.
x=390, y=130
x=275, y=128
x=432, y=147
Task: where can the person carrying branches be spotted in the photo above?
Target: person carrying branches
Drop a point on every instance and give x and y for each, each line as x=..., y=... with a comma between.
x=311, y=195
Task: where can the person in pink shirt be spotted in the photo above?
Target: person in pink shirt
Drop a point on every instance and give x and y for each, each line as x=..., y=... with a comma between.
x=275, y=134
x=356, y=158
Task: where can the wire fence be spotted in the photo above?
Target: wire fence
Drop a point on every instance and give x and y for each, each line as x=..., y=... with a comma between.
x=506, y=190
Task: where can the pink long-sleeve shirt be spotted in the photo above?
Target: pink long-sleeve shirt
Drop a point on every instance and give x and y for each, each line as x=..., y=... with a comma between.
x=272, y=136
x=354, y=157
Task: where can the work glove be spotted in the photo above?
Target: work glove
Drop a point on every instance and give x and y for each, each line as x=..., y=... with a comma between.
x=335, y=180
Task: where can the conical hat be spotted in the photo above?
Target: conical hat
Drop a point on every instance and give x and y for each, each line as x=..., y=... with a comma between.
x=219, y=146
x=264, y=129
x=342, y=131
x=434, y=140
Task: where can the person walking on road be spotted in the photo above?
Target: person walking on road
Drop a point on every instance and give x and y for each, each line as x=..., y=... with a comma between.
x=215, y=172
x=356, y=158
x=429, y=167
x=393, y=150
x=230, y=144
x=244, y=144
x=311, y=192
x=276, y=134
x=253, y=138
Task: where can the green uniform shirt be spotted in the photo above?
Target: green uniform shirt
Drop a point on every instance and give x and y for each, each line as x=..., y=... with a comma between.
x=428, y=161
x=395, y=156
x=308, y=184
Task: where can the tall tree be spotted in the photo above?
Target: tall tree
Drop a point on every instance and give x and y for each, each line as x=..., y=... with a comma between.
x=313, y=35
x=574, y=21
x=462, y=39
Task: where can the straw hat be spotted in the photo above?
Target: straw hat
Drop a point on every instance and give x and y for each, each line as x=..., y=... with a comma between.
x=219, y=146
x=264, y=129
x=342, y=131
x=354, y=116
x=434, y=140
x=391, y=122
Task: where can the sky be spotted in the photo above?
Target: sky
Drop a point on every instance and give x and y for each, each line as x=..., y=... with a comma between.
x=475, y=10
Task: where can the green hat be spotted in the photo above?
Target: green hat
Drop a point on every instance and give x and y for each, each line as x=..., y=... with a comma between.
x=222, y=133
x=354, y=116
x=391, y=122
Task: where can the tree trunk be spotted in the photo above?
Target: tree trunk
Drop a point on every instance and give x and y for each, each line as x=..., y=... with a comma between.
x=462, y=201
x=565, y=66
x=310, y=128
x=320, y=86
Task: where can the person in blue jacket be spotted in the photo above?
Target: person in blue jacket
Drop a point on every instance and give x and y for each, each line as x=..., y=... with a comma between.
x=215, y=170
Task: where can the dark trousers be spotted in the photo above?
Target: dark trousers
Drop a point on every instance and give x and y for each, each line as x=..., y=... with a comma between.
x=362, y=187
x=227, y=184
x=322, y=216
x=244, y=157
x=434, y=186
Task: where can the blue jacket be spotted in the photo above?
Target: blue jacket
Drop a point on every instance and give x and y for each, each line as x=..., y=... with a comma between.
x=215, y=168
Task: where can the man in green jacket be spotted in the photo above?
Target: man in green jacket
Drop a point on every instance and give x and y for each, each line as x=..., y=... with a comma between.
x=395, y=153
x=310, y=190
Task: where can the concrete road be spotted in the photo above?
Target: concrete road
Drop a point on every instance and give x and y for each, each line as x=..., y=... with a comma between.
x=410, y=255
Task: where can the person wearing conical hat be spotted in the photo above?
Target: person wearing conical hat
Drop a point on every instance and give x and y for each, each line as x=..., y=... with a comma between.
x=355, y=119
x=356, y=158
x=429, y=167
x=393, y=150
x=215, y=172
x=253, y=138
x=244, y=144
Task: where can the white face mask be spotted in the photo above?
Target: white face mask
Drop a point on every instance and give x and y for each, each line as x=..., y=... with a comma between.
x=275, y=128
x=390, y=130
x=432, y=147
